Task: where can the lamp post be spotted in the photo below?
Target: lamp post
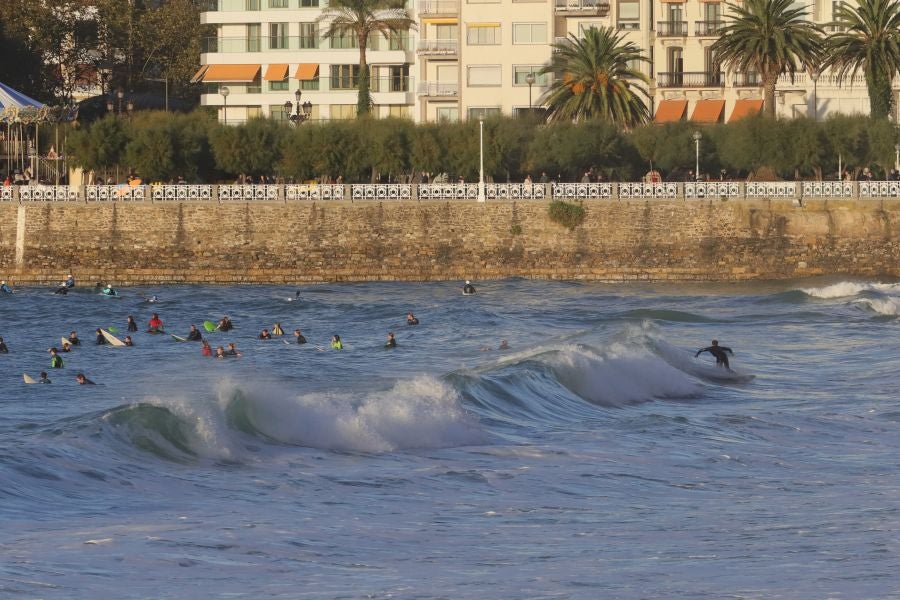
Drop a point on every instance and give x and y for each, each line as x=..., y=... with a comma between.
x=481, y=157
x=697, y=138
x=224, y=91
x=115, y=106
x=302, y=112
x=897, y=157
x=530, y=79
x=814, y=75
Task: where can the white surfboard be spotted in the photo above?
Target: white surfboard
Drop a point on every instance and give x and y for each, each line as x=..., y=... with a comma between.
x=113, y=340
x=66, y=341
x=28, y=378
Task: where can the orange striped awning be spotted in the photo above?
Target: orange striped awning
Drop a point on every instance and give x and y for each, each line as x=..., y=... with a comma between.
x=670, y=111
x=708, y=111
x=745, y=108
x=231, y=73
x=306, y=72
x=276, y=73
x=198, y=76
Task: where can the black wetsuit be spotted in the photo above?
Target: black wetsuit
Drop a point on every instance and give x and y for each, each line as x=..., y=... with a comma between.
x=195, y=335
x=100, y=339
x=132, y=325
x=3, y=348
x=718, y=352
x=74, y=341
x=391, y=343
x=301, y=339
x=468, y=289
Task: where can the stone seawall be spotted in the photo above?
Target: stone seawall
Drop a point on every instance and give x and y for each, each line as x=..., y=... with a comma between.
x=261, y=242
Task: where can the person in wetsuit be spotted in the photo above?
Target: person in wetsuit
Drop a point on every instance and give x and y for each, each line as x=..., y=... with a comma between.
x=56, y=361
x=336, y=343
x=3, y=348
x=391, y=341
x=5, y=288
x=44, y=378
x=108, y=290
x=468, y=289
x=101, y=339
x=225, y=324
x=132, y=324
x=82, y=380
x=299, y=336
x=155, y=325
x=717, y=351
x=194, y=334
x=73, y=339
x=65, y=286
x=411, y=319
x=264, y=335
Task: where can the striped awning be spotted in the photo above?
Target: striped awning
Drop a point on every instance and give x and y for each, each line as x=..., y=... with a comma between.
x=198, y=76
x=231, y=73
x=440, y=21
x=708, y=111
x=745, y=108
x=670, y=111
x=276, y=73
x=307, y=71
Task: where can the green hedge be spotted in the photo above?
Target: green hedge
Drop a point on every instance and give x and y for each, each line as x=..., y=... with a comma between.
x=162, y=146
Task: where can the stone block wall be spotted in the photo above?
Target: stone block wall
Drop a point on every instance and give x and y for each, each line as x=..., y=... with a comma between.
x=262, y=242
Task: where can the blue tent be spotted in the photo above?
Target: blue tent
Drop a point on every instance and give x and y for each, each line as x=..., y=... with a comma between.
x=10, y=98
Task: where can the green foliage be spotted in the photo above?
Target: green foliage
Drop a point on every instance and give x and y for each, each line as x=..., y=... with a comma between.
x=567, y=214
x=253, y=148
x=567, y=150
x=164, y=146
x=98, y=146
x=595, y=78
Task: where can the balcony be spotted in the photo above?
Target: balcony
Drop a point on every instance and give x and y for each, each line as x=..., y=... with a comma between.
x=232, y=45
x=684, y=79
x=438, y=89
x=708, y=28
x=598, y=8
x=388, y=84
x=671, y=29
x=746, y=80
x=438, y=7
x=446, y=47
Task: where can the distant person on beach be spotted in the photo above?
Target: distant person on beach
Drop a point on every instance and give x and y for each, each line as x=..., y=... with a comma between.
x=717, y=351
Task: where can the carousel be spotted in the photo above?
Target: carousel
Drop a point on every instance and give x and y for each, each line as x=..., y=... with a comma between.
x=25, y=157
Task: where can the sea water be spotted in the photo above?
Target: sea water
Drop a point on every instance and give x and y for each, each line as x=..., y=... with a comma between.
x=595, y=458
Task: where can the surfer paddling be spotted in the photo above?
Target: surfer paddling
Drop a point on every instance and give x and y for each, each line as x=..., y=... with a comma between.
x=719, y=352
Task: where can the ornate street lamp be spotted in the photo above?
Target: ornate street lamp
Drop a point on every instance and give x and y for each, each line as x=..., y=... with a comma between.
x=530, y=79
x=814, y=75
x=224, y=91
x=697, y=138
x=301, y=113
x=115, y=105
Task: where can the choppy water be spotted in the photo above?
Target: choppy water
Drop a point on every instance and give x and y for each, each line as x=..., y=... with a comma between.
x=594, y=459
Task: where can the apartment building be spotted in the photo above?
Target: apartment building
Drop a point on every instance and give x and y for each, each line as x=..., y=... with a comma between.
x=469, y=59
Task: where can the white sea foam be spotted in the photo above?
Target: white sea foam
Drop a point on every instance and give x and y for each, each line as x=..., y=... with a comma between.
x=621, y=374
x=846, y=289
x=882, y=306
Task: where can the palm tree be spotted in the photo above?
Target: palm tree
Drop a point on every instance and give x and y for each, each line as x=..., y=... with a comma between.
x=363, y=18
x=768, y=37
x=596, y=77
x=869, y=40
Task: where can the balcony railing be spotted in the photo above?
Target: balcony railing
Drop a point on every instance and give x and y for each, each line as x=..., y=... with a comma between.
x=671, y=28
x=685, y=79
x=708, y=28
x=592, y=7
x=746, y=80
x=400, y=83
x=438, y=7
x=439, y=46
x=438, y=89
x=294, y=43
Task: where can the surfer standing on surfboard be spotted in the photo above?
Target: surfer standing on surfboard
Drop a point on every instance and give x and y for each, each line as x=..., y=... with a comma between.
x=717, y=351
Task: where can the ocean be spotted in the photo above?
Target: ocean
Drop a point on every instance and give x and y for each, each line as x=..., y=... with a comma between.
x=596, y=457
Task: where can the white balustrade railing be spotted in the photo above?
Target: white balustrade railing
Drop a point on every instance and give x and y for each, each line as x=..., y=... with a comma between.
x=879, y=189
x=381, y=191
x=114, y=193
x=263, y=192
x=453, y=191
x=828, y=189
x=181, y=192
x=712, y=189
x=314, y=191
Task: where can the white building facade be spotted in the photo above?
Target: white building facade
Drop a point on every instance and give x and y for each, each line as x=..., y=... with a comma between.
x=469, y=59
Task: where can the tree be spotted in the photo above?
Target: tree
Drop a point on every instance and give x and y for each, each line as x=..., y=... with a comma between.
x=253, y=148
x=868, y=40
x=768, y=37
x=363, y=18
x=596, y=78
x=99, y=146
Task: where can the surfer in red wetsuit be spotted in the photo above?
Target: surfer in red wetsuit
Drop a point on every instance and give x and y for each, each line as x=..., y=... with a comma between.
x=717, y=351
x=155, y=325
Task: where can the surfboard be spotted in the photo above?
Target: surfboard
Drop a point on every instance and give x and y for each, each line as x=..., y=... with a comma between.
x=468, y=293
x=178, y=338
x=66, y=341
x=113, y=340
x=209, y=326
x=28, y=378
x=113, y=329
x=155, y=331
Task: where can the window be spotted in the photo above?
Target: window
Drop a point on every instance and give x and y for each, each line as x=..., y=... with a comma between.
x=835, y=13
x=254, y=33
x=254, y=112
x=277, y=112
x=482, y=1
x=529, y=33
x=344, y=77
x=484, y=34
x=310, y=84
x=394, y=78
x=255, y=87
x=309, y=3
x=484, y=75
x=252, y=5
x=629, y=14
x=343, y=111
x=309, y=35
x=279, y=86
x=278, y=36
x=446, y=32
x=712, y=12
x=483, y=112
x=398, y=40
x=278, y=3
x=400, y=111
x=448, y=113
x=343, y=40
x=520, y=72
x=676, y=60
